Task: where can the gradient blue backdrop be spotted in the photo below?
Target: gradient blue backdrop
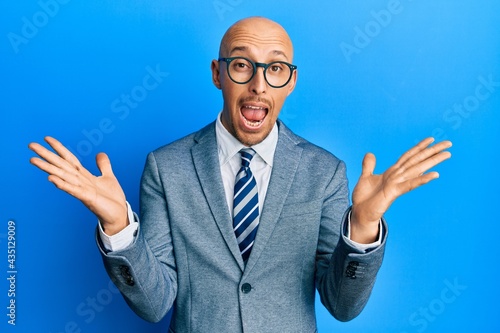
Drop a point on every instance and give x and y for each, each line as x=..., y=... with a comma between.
x=374, y=75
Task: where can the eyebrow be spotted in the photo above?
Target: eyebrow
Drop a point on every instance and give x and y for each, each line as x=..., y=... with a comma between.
x=244, y=48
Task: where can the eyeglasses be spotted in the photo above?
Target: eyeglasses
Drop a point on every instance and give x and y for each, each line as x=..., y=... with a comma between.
x=242, y=70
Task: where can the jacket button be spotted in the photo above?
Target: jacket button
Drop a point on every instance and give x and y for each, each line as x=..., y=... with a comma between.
x=246, y=288
x=125, y=273
x=124, y=270
x=351, y=269
x=350, y=274
x=130, y=281
x=354, y=264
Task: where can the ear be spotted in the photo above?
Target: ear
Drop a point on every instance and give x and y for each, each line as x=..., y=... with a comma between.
x=215, y=73
x=293, y=82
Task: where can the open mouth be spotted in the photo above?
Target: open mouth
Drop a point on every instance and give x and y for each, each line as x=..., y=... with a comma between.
x=253, y=115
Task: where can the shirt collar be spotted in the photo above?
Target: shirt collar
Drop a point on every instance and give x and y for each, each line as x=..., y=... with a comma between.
x=229, y=146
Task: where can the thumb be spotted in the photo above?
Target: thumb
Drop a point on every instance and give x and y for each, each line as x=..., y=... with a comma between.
x=368, y=165
x=104, y=164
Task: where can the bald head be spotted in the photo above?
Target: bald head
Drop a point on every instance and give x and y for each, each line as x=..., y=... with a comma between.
x=258, y=31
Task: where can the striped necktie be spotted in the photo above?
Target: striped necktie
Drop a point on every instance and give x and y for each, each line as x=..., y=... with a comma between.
x=246, y=205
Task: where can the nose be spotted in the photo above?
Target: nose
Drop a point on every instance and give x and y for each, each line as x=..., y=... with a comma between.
x=258, y=84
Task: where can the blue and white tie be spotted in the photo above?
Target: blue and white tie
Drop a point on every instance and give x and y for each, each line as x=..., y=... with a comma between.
x=245, y=205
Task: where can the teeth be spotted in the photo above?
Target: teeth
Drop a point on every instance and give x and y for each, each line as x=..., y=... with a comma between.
x=252, y=123
x=254, y=107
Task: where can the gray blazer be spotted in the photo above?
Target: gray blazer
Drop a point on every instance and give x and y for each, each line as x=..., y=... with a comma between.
x=185, y=254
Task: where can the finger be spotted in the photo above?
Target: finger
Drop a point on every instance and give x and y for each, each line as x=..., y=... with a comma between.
x=46, y=166
x=427, y=164
x=427, y=153
x=42, y=165
x=104, y=164
x=40, y=150
x=62, y=185
x=415, y=150
x=55, y=175
x=67, y=175
x=368, y=165
x=64, y=160
x=48, y=155
x=62, y=151
x=419, y=181
x=74, y=190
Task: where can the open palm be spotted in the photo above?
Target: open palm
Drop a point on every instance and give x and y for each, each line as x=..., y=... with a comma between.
x=374, y=194
x=103, y=194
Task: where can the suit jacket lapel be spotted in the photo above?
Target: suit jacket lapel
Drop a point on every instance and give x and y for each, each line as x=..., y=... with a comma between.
x=286, y=161
x=206, y=162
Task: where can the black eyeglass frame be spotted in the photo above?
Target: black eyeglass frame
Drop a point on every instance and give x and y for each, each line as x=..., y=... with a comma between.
x=255, y=66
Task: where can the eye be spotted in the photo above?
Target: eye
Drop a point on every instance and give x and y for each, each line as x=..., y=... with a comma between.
x=241, y=65
x=276, y=68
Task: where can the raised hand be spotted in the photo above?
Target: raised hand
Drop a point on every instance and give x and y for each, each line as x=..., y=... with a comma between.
x=373, y=194
x=103, y=194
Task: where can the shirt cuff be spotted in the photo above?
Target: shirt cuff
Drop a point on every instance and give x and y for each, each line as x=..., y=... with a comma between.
x=122, y=239
x=362, y=247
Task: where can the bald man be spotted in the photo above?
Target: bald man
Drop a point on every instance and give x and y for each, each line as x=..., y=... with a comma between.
x=242, y=221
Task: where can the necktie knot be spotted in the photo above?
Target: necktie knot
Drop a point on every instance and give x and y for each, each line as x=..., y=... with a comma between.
x=246, y=156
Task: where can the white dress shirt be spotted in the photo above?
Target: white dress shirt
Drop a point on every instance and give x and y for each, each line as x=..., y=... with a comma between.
x=230, y=162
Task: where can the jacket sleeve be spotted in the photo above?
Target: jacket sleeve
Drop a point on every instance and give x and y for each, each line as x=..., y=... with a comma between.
x=145, y=271
x=345, y=275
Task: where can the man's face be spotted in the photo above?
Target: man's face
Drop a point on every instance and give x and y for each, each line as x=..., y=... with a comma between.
x=250, y=110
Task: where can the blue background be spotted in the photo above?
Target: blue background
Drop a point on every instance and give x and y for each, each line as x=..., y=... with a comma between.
x=374, y=76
